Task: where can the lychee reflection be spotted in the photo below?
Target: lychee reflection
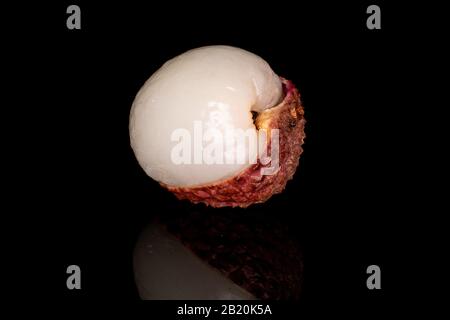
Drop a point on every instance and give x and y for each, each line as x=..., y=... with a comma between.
x=217, y=254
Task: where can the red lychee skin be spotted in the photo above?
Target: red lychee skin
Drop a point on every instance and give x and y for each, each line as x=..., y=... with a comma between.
x=250, y=186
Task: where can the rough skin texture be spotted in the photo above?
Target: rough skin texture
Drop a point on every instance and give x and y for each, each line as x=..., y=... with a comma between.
x=250, y=186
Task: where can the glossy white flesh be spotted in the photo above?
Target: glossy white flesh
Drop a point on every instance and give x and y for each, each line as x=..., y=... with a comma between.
x=217, y=86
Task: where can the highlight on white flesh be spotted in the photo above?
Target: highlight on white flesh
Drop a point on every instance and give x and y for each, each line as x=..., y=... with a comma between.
x=215, y=86
x=165, y=269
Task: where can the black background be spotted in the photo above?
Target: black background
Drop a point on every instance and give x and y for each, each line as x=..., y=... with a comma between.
x=92, y=199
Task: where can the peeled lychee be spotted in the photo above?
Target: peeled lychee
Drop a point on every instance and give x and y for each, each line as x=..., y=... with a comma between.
x=217, y=125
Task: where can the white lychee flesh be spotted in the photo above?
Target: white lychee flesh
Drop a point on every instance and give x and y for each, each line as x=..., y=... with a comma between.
x=217, y=86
